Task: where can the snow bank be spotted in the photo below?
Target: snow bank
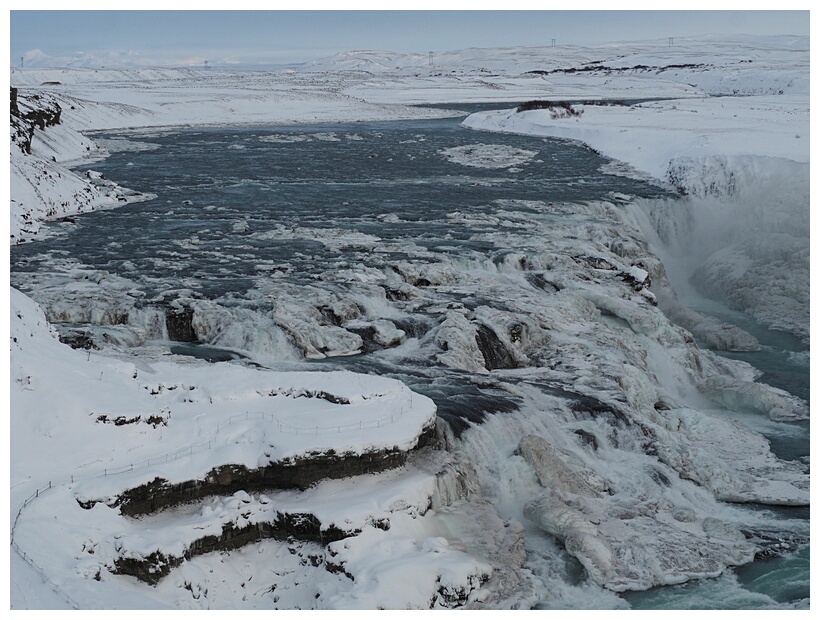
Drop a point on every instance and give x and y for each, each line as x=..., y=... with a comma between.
x=652, y=136
x=743, y=231
x=177, y=420
x=283, y=413
x=43, y=187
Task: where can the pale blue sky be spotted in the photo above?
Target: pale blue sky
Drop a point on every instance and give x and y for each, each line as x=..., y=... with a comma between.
x=250, y=37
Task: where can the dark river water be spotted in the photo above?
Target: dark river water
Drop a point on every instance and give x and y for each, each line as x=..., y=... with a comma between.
x=383, y=179
x=241, y=214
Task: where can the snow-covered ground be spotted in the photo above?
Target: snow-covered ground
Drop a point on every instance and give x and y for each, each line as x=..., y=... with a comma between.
x=749, y=152
x=743, y=234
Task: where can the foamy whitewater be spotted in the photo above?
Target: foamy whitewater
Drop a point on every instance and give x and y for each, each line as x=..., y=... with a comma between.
x=577, y=341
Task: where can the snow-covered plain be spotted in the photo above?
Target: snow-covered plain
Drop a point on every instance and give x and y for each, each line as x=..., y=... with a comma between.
x=627, y=531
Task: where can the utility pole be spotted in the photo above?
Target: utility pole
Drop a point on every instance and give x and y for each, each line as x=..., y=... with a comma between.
x=430, y=59
x=553, y=43
x=671, y=40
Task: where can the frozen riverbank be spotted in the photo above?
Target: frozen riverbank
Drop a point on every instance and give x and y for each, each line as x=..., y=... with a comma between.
x=742, y=233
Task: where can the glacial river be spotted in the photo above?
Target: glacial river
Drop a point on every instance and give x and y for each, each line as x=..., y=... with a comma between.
x=260, y=233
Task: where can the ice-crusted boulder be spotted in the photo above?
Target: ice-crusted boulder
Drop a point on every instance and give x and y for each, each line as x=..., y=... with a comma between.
x=643, y=547
x=624, y=544
x=451, y=577
x=456, y=336
x=740, y=395
x=714, y=334
x=555, y=472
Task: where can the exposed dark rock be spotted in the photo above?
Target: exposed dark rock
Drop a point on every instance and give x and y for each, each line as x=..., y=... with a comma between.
x=413, y=327
x=22, y=133
x=78, y=340
x=587, y=438
x=399, y=294
x=658, y=476
x=304, y=393
x=368, y=336
x=635, y=284
x=300, y=473
x=773, y=544
x=43, y=112
x=337, y=569
x=179, y=323
x=589, y=406
x=540, y=282
x=330, y=316
x=558, y=109
x=597, y=67
x=598, y=263
x=286, y=526
x=341, y=312
x=149, y=569
x=496, y=355
x=121, y=420
x=118, y=421
x=15, y=111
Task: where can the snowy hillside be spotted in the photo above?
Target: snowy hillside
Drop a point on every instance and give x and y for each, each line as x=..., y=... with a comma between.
x=180, y=422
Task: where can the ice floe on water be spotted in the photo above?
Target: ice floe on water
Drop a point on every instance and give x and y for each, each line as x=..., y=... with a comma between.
x=489, y=156
x=284, y=138
x=321, y=136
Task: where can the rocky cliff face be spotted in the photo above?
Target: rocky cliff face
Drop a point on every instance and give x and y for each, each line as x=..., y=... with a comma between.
x=35, y=111
x=227, y=479
x=43, y=187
